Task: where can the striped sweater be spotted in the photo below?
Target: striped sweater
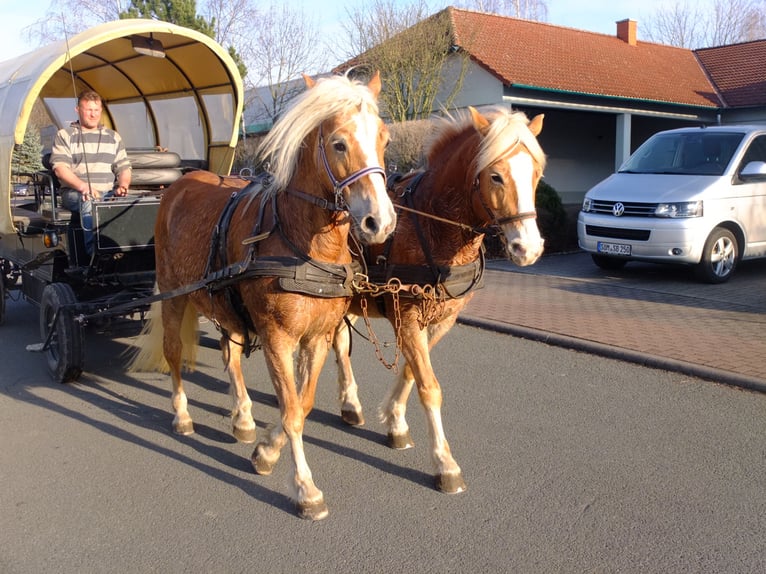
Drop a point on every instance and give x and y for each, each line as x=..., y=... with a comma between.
x=95, y=156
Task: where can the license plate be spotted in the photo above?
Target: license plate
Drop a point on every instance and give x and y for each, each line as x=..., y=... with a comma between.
x=613, y=248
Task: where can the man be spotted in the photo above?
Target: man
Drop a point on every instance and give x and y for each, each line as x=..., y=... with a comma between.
x=90, y=162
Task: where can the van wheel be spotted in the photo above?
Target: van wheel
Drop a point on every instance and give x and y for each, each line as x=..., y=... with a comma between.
x=719, y=257
x=65, y=354
x=609, y=263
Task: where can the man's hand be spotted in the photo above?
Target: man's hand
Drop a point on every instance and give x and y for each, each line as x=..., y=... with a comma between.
x=91, y=194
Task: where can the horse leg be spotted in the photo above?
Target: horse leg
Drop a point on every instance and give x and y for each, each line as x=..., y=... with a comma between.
x=172, y=318
x=416, y=348
x=309, y=499
x=350, y=406
x=243, y=425
x=394, y=408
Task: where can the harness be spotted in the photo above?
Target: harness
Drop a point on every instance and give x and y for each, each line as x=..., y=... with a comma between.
x=419, y=281
x=296, y=274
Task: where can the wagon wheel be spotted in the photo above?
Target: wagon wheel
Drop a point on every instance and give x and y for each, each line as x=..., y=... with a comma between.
x=2, y=298
x=65, y=353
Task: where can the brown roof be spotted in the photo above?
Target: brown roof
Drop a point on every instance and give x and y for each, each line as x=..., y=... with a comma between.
x=525, y=53
x=738, y=71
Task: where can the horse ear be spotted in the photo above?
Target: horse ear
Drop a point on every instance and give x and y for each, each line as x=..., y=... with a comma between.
x=375, y=84
x=308, y=81
x=479, y=121
x=536, y=125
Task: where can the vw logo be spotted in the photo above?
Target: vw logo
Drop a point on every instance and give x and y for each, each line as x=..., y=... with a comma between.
x=618, y=209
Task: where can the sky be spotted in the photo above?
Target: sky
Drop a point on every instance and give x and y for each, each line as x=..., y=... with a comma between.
x=592, y=15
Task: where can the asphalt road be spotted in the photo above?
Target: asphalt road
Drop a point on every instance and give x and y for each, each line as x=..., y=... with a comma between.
x=574, y=463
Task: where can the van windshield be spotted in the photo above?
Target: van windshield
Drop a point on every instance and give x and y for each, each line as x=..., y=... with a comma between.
x=697, y=153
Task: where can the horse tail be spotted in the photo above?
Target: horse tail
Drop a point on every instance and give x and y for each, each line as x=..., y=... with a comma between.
x=150, y=356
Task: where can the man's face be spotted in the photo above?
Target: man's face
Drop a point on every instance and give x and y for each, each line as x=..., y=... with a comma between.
x=89, y=113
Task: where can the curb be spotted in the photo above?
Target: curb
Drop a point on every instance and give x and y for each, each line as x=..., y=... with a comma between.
x=565, y=341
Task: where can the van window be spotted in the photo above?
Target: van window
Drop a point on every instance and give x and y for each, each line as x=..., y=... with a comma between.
x=688, y=153
x=755, y=152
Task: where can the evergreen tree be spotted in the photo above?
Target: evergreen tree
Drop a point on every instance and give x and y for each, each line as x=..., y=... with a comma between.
x=27, y=157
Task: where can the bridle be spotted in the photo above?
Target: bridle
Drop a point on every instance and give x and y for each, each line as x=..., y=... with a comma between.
x=495, y=223
x=340, y=202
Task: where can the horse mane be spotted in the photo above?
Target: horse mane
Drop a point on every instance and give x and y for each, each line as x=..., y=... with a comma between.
x=330, y=96
x=507, y=127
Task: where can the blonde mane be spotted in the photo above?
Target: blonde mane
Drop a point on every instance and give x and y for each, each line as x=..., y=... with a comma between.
x=507, y=128
x=328, y=97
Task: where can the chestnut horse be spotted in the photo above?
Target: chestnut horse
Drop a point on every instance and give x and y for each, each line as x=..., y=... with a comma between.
x=290, y=235
x=481, y=174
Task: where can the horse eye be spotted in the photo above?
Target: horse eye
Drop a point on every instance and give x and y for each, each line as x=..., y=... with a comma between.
x=496, y=178
x=339, y=147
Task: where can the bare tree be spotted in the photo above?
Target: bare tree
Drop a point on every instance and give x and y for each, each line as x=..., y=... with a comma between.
x=735, y=21
x=64, y=18
x=421, y=67
x=527, y=9
x=379, y=21
x=232, y=22
x=279, y=50
x=715, y=23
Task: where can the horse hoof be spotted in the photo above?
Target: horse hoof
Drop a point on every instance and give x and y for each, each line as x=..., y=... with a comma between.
x=260, y=464
x=185, y=428
x=353, y=418
x=316, y=510
x=246, y=436
x=450, y=483
x=400, y=441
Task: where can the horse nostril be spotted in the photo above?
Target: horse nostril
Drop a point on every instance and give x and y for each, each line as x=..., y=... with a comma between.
x=517, y=248
x=370, y=224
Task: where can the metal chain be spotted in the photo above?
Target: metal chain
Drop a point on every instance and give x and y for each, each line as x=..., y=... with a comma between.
x=363, y=286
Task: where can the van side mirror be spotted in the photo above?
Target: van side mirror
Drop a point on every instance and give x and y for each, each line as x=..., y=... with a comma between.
x=754, y=171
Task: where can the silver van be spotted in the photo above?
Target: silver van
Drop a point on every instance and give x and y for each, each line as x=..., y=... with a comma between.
x=695, y=196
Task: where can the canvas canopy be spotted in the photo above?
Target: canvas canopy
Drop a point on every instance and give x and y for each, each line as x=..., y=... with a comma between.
x=162, y=85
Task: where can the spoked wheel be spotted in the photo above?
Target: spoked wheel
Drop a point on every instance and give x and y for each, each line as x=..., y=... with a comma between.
x=2, y=299
x=719, y=257
x=65, y=353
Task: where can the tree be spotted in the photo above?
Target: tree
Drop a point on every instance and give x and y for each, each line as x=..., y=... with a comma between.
x=65, y=18
x=182, y=13
x=714, y=23
x=281, y=49
x=528, y=9
x=26, y=157
x=421, y=67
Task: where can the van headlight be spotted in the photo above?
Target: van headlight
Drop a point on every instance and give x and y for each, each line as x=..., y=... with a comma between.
x=587, y=204
x=680, y=209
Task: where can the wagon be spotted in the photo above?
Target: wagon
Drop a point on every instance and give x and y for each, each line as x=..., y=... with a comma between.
x=175, y=96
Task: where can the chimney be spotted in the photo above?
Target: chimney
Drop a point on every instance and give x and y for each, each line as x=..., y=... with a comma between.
x=626, y=31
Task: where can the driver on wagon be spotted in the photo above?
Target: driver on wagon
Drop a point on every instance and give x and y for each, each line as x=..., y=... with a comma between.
x=90, y=161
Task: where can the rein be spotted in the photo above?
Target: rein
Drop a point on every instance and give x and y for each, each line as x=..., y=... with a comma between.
x=492, y=228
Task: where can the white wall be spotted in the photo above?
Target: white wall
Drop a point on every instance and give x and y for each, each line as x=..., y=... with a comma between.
x=479, y=86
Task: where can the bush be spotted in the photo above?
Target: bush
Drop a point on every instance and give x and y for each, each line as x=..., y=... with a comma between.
x=405, y=152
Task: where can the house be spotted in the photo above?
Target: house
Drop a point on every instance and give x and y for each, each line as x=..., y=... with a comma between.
x=602, y=95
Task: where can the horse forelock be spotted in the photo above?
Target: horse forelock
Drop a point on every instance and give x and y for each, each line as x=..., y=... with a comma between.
x=329, y=97
x=508, y=129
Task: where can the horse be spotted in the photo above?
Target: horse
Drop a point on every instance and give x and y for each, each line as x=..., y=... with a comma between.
x=288, y=233
x=480, y=176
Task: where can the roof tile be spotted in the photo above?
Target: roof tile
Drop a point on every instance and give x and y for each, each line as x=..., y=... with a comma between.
x=739, y=72
x=526, y=53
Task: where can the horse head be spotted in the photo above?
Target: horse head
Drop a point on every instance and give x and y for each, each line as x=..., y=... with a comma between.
x=509, y=166
x=334, y=126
